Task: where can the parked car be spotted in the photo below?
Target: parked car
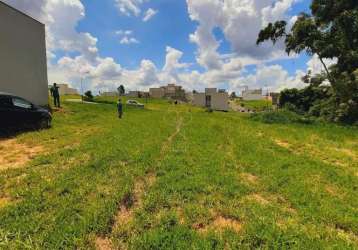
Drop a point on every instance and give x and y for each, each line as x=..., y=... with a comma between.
x=134, y=103
x=16, y=113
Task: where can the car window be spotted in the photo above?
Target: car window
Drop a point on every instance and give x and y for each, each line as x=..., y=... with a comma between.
x=21, y=103
x=5, y=101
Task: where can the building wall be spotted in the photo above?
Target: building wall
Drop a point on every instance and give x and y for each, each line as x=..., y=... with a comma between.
x=110, y=94
x=252, y=97
x=66, y=90
x=220, y=101
x=199, y=99
x=23, y=63
x=156, y=92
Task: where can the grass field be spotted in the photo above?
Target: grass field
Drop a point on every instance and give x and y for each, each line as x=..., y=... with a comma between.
x=177, y=177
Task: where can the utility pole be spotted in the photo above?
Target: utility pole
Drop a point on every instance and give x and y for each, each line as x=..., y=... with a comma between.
x=82, y=89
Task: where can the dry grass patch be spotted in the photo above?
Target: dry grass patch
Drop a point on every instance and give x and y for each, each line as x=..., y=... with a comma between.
x=334, y=191
x=16, y=155
x=283, y=144
x=4, y=201
x=219, y=224
x=249, y=178
x=343, y=234
x=258, y=199
x=103, y=244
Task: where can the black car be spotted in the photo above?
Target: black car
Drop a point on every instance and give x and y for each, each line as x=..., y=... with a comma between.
x=16, y=113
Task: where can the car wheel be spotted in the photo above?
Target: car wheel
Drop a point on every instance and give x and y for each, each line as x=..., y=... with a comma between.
x=44, y=123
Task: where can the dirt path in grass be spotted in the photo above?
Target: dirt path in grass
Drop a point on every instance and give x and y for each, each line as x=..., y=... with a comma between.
x=134, y=200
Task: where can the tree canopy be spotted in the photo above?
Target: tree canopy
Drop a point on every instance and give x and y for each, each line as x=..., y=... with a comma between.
x=330, y=31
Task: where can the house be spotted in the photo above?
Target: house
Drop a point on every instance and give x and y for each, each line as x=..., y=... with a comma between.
x=252, y=94
x=212, y=99
x=171, y=91
x=23, y=60
x=157, y=92
x=110, y=94
x=66, y=90
x=138, y=94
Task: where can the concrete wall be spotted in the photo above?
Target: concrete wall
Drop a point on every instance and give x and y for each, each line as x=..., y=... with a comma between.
x=220, y=101
x=66, y=90
x=156, y=92
x=199, y=99
x=252, y=97
x=23, y=66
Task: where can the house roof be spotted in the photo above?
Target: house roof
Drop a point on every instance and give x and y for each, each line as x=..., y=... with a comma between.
x=22, y=13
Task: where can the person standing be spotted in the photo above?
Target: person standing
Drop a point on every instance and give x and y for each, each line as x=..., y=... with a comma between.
x=56, y=95
x=120, y=108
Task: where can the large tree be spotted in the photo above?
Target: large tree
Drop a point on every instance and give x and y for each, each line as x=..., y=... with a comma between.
x=330, y=31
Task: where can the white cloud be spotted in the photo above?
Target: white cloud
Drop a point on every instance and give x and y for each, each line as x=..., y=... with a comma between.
x=149, y=14
x=126, y=37
x=315, y=65
x=128, y=40
x=240, y=22
x=129, y=7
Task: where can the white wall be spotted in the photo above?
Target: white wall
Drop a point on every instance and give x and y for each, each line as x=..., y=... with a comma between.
x=23, y=66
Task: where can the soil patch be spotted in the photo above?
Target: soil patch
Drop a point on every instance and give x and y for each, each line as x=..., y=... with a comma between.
x=16, y=155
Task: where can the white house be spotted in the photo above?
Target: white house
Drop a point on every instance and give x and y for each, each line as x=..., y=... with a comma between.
x=216, y=100
x=252, y=94
x=66, y=90
x=23, y=64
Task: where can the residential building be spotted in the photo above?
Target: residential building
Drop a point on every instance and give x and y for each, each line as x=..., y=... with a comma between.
x=157, y=92
x=252, y=94
x=212, y=99
x=23, y=60
x=138, y=94
x=171, y=91
x=66, y=90
x=109, y=94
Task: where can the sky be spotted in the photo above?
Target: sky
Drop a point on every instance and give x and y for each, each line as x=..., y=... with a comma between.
x=149, y=43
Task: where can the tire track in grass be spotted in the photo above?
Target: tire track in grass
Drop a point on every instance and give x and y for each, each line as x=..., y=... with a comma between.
x=133, y=201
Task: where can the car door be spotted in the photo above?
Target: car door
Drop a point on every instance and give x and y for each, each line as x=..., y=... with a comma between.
x=23, y=112
x=6, y=112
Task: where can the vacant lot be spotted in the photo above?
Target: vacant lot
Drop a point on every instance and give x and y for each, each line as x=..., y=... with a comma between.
x=176, y=177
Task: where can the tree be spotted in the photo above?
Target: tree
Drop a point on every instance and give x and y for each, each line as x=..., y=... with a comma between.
x=233, y=95
x=330, y=32
x=121, y=90
x=88, y=96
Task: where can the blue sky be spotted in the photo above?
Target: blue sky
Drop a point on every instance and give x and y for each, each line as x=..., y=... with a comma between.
x=195, y=43
x=170, y=27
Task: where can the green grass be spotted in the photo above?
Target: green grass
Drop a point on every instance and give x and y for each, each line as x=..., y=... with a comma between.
x=284, y=185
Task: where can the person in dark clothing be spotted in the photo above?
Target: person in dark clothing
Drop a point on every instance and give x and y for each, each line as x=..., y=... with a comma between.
x=120, y=108
x=56, y=95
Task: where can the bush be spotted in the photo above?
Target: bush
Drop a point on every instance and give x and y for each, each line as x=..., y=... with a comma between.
x=281, y=116
x=88, y=97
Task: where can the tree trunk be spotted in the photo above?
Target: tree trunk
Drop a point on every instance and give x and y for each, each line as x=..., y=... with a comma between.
x=330, y=78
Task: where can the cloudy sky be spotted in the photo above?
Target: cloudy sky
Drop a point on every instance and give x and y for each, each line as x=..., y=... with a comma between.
x=144, y=43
